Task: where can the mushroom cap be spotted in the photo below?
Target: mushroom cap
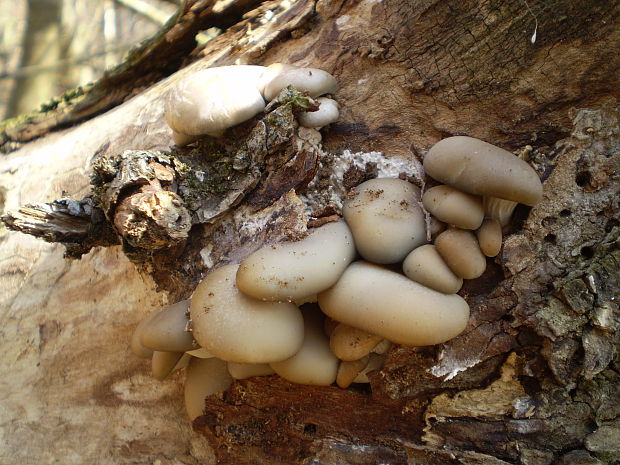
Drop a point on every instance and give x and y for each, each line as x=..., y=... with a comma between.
x=477, y=167
x=312, y=80
x=490, y=237
x=425, y=266
x=248, y=370
x=327, y=113
x=390, y=305
x=238, y=328
x=454, y=207
x=204, y=377
x=164, y=363
x=460, y=249
x=182, y=140
x=349, y=370
x=385, y=218
x=314, y=363
x=296, y=270
x=214, y=99
x=349, y=343
x=136, y=346
x=166, y=331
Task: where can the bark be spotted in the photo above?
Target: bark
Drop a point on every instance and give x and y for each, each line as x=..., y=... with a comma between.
x=532, y=380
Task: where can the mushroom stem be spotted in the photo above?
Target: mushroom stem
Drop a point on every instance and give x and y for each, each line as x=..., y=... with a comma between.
x=499, y=209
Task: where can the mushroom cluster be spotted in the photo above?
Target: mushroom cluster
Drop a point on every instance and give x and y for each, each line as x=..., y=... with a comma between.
x=327, y=308
x=212, y=100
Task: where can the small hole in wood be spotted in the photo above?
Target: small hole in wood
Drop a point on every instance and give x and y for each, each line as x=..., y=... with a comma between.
x=583, y=178
x=310, y=428
x=551, y=238
x=587, y=251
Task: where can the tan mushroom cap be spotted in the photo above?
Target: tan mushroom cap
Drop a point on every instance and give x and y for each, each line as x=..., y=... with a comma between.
x=136, y=346
x=477, y=167
x=349, y=343
x=460, y=250
x=490, y=237
x=249, y=370
x=314, y=364
x=238, y=328
x=214, y=99
x=454, y=207
x=425, y=266
x=315, y=82
x=204, y=377
x=296, y=270
x=349, y=370
x=391, y=305
x=386, y=219
x=166, y=331
x=164, y=363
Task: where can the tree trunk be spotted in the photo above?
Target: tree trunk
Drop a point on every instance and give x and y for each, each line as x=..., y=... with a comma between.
x=532, y=380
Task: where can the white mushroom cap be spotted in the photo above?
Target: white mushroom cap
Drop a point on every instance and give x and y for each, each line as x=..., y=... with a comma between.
x=425, y=266
x=238, y=328
x=212, y=100
x=390, y=305
x=312, y=80
x=183, y=139
x=454, y=207
x=249, y=370
x=296, y=270
x=480, y=168
x=166, y=330
x=204, y=377
x=314, y=363
x=386, y=219
x=460, y=249
x=327, y=113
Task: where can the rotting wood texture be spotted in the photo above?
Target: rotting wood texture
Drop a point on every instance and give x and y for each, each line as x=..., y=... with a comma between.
x=533, y=380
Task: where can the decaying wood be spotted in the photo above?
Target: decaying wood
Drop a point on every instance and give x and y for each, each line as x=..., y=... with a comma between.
x=534, y=378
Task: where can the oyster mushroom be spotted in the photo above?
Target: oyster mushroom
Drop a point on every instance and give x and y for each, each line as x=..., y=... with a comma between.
x=166, y=330
x=385, y=218
x=204, y=377
x=490, y=237
x=248, y=370
x=327, y=113
x=425, y=266
x=349, y=343
x=238, y=328
x=314, y=363
x=315, y=82
x=480, y=168
x=454, y=207
x=212, y=100
x=460, y=250
x=390, y=305
x=297, y=270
